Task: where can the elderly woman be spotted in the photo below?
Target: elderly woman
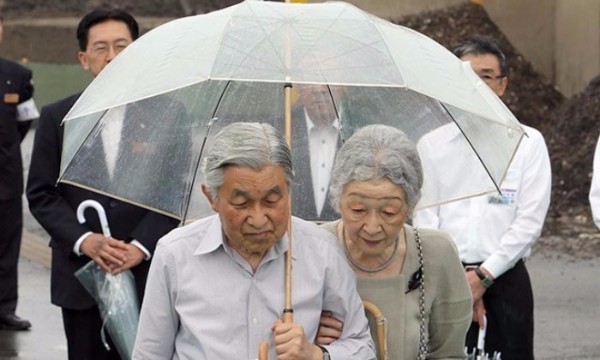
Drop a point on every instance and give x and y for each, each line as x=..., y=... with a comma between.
x=413, y=275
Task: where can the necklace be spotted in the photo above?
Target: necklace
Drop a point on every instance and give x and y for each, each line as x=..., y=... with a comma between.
x=361, y=267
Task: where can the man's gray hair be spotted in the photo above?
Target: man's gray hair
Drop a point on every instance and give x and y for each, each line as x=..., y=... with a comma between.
x=376, y=152
x=244, y=144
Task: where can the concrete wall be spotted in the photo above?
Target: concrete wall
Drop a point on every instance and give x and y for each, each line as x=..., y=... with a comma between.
x=397, y=8
x=529, y=25
x=561, y=38
x=577, y=50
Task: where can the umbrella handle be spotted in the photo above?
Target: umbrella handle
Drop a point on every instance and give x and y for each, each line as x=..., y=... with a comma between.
x=101, y=214
x=481, y=337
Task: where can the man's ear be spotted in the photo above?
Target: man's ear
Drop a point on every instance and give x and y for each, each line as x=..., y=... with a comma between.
x=211, y=200
x=83, y=60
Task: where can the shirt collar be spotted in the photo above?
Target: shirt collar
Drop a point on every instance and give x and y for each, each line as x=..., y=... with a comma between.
x=213, y=239
x=310, y=125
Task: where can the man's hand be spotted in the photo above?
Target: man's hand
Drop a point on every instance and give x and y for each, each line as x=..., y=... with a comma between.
x=108, y=253
x=134, y=257
x=479, y=313
x=292, y=344
x=477, y=288
x=330, y=328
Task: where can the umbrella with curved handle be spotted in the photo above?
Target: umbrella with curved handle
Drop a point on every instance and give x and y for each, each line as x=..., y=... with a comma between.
x=101, y=214
x=115, y=295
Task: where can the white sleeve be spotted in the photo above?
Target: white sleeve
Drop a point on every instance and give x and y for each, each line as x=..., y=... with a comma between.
x=595, y=187
x=27, y=110
x=532, y=206
x=159, y=322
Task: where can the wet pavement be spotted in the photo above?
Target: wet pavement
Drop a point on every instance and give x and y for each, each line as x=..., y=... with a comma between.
x=567, y=311
x=45, y=340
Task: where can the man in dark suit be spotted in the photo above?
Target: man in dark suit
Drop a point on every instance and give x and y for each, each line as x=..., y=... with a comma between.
x=102, y=34
x=17, y=109
x=316, y=139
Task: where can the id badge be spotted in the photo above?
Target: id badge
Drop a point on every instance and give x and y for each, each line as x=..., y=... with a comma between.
x=11, y=98
x=507, y=197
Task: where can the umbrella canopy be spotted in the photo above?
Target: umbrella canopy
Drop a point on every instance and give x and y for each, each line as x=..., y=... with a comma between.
x=164, y=95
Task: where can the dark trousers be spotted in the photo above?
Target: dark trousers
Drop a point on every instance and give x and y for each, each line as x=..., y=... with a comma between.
x=84, y=342
x=509, y=311
x=11, y=228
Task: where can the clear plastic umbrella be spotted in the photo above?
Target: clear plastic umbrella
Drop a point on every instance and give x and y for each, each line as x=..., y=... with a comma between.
x=183, y=81
x=115, y=295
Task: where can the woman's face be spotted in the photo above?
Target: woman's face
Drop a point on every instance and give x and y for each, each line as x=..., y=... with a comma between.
x=373, y=212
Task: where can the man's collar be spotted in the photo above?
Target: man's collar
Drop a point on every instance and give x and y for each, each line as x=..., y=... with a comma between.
x=310, y=125
x=213, y=238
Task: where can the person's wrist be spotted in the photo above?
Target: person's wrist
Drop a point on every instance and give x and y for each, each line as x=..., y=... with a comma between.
x=486, y=280
x=324, y=353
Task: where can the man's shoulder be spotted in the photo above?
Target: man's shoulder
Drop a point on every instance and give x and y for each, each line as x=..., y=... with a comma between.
x=62, y=104
x=185, y=234
x=13, y=67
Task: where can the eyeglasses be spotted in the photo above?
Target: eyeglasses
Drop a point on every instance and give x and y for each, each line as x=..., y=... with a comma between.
x=489, y=79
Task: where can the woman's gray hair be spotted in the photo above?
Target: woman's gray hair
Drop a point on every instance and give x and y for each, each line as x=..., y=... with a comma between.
x=376, y=152
x=244, y=144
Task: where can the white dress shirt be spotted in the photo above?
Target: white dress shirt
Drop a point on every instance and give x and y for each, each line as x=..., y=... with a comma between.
x=111, y=136
x=595, y=187
x=203, y=300
x=499, y=229
x=323, y=145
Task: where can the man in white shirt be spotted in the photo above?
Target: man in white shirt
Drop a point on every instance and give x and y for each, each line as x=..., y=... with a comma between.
x=494, y=233
x=595, y=187
x=316, y=139
x=216, y=286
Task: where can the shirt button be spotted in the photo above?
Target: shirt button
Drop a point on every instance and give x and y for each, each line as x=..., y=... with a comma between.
x=323, y=165
x=322, y=189
x=322, y=141
x=254, y=321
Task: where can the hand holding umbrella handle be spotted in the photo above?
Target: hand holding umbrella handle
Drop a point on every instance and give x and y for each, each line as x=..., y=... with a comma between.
x=101, y=214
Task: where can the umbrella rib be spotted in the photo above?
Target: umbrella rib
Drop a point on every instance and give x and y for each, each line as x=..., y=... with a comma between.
x=210, y=123
x=472, y=147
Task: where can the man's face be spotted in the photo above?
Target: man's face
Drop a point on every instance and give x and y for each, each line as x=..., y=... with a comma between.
x=487, y=67
x=253, y=207
x=105, y=41
x=317, y=102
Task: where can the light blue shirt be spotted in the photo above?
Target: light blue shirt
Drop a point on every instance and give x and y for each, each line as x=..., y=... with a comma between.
x=203, y=301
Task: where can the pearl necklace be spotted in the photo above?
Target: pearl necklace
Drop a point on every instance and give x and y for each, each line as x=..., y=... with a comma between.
x=363, y=268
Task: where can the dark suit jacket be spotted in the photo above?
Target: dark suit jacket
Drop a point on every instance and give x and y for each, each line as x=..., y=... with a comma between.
x=15, y=88
x=54, y=206
x=303, y=199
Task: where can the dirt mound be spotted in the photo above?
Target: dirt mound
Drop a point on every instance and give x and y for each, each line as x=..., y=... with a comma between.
x=530, y=96
x=572, y=140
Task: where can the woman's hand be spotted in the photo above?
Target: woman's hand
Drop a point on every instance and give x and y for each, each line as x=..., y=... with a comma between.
x=330, y=328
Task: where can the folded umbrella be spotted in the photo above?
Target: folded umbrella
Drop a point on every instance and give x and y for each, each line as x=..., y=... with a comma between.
x=115, y=295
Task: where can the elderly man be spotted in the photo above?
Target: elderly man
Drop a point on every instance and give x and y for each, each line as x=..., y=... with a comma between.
x=215, y=288
x=494, y=233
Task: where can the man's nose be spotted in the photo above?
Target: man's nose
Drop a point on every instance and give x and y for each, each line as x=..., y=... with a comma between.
x=258, y=217
x=112, y=52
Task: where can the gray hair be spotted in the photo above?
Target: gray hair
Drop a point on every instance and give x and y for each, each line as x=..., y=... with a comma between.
x=244, y=144
x=376, y=152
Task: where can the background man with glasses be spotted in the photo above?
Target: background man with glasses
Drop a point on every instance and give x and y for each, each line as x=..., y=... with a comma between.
x=494, y=233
